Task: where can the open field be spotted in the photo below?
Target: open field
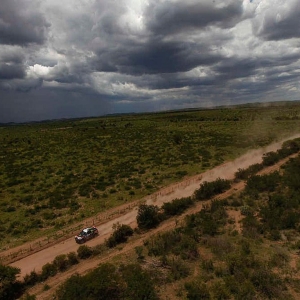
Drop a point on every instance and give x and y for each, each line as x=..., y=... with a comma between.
x=54, y=174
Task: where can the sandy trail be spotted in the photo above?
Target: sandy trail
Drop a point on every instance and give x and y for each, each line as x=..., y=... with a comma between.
x=35, y=261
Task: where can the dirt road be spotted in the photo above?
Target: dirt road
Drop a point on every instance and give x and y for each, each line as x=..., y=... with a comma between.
x=185, y=188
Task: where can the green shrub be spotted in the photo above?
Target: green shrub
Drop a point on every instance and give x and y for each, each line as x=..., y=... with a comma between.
x=202, y=223
x=267, y=283
x=244, y=174
x=208, y=190
x=72, y=289
x=270, y=158
x=291, y=174
x=139, y=284
x=120, y=235
x=61, y=262
x=48, y=270
x=10, y=287
x=251, y=227
x=280, y=212
x=109, y=282
x=163, y=243
x=240, y=289
x=72, y=258
x=246, y=210
x=174, y=242
x=220, y=291
x=263, y=183
x=148, y=216
x=177, y=206
x=31, y=279
x=139, y=252
x=84, y=252
x=196, y=291
x=178, y=268
x=187, y=248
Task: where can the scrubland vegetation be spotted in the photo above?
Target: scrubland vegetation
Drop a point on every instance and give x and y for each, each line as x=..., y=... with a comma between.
x=56, y=173
x=204, y=256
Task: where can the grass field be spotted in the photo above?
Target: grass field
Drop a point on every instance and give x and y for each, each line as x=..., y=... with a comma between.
x=55, y=173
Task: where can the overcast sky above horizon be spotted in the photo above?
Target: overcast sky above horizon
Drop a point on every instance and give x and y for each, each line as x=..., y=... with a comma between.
x=77, y=58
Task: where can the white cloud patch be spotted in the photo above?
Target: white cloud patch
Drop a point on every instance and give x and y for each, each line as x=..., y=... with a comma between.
x=39, y=71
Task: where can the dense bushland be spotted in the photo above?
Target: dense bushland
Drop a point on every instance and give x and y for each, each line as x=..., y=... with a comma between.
x=279, y=202
x=231, y=265
x=56, y=173
x=109, y=282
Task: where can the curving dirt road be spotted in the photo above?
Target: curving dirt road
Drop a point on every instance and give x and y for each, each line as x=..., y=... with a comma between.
x=184, y=188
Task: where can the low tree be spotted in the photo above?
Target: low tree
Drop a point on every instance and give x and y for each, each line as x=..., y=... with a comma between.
x=104, y=283
x=208, y=190
x=120, y=235
x=148, y=216
x=84, y=252
x=61, y=262
x=31, y=279
x=177, y=206
x=139, y=284
x=10, y=287
x=48, y=270
x=72, y=258
x=196, y=291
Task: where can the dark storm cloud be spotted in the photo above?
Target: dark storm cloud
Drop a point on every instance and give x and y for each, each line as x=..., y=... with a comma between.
x=156, y=57
x=156, y=49
x=285, y=59
x=169, y=57
x=42, y=104
x=11, y=71
x=20, y=85
x=21, y=23
x=171, y=81
x=256, y=89
x=11, y=63
x=279, y=22
x=235, y=68
x=180, y=82
x=65, y=74
x=170, y=17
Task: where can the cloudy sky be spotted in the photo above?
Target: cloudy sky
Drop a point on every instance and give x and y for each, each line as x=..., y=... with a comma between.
x=74, y=58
